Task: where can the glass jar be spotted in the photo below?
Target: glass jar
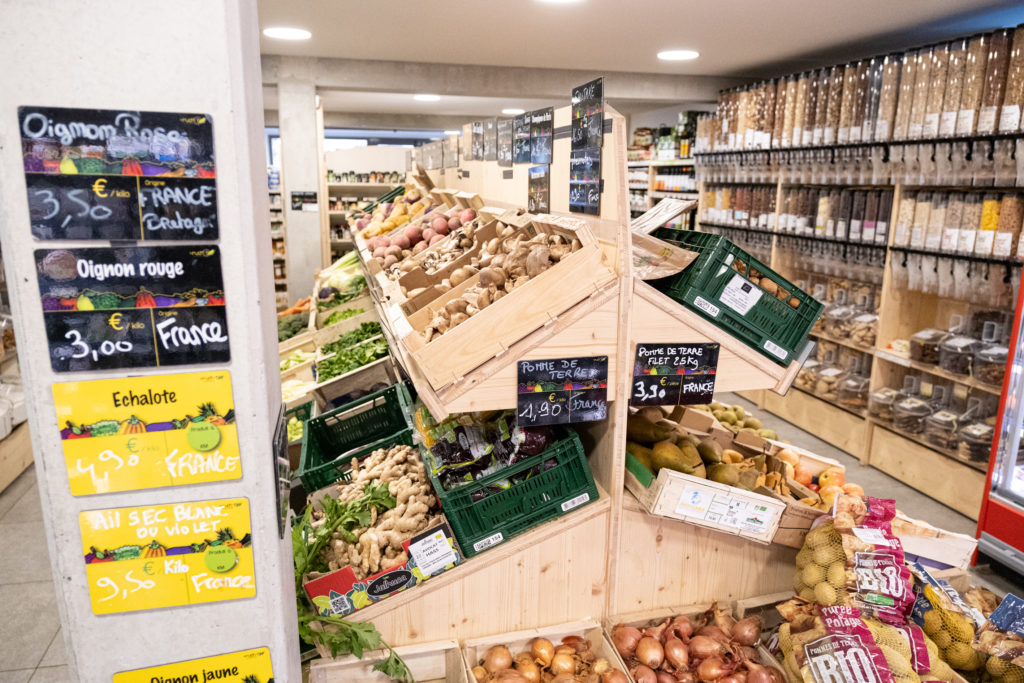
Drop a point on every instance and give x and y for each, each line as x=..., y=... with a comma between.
x=973, y=84
x=937, y=88
x=864, y=329
x=880, y=404
x=990, y=364
x=1013, y=97
x=940, y=430
x=974, y=442
x=853, y=392
x=808, y=375
x=924, y=345
x=954, y=87
x=908, y=414
x=956, y=353
x=995, y=81
x=826, y=386
x=838, y=321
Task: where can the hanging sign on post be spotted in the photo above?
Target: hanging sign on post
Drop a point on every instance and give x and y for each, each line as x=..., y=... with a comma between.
x=521, y=139
x=247, y=666
x=539, y=188
x=674, y=374
x=505, y=142
x=167, y=555
x=562, y=390
x=587, y=129
x=107, y=308
x=105, y=174
x=541, y=134
x=134, y=433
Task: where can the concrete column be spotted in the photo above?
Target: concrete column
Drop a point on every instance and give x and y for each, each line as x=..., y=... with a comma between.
x=300, y=171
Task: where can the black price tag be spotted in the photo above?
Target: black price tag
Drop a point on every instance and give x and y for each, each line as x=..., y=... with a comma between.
x=585, y=181
x=674, y=374
x=539, y=187
x=107, y=308
x=562, y=390
x=541, y=131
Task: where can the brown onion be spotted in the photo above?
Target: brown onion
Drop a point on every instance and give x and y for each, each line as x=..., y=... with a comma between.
x=643, y=674
x=713, y=632
x=712, y=669
x=650, y=652
x=525, y=665
x=614, y=676
x=758, y=674
x=665, y=677
x=657, y=631
x=625, y=639
x=562, y=663
x=498, y=658
x=747, y=631
x=702, y=646
x=480, y=674
x=729, y=679
x=682, y=627
x=542, y=651
x=565, y=649
x=509, y=676
x=564, y=677
x=573, y=640
x=676, y=653
x=685, y=677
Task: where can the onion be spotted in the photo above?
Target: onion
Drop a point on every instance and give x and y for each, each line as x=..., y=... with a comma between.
x=480, y=674
x=711, y=669
x=713, y=632
x=758, y=674
x=526, y=666
x=682, y=627
x=509, y=676
x=564, y=677
x=741, y=675
x=722, y=619
x=562, y=663
x=498, y=658
x=665, y=677
x=676, y=653
x=776, y=675
x=702, y=646
x=614, y=676
x=565, y=650
x=650, y=652
x=729, y=679
x=542, y=651
x=625, y=639
x=643, y=674
x=657, y=631
x=572, y=640
x=747, y=653
x=747, y=631
x=685, y=677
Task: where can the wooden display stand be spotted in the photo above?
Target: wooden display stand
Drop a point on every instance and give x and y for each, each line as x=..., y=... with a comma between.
x=901, y=313
x=597, y=560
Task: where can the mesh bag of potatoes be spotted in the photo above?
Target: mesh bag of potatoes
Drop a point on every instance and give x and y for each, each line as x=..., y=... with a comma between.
x=948, y=623
x=1001, y=640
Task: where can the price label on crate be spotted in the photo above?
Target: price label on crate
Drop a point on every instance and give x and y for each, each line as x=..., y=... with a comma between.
x=674, y=374
x=562, y=390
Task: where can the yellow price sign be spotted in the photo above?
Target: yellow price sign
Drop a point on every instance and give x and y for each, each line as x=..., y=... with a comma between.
x=135, y=433
x=246, y=666
x=167, y=555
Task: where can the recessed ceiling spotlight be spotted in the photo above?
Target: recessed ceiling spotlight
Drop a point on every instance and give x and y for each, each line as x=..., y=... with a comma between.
x=287, y=33
x=453, y=132
x=678, y=55
x=513, y=111
x=424, y=97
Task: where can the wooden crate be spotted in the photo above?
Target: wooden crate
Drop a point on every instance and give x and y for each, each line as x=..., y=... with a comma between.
x=299, y=341
x=437, y=662
x=646, y=618
x=490, y=332
x=709, y=504
x=473, y=651
x=382, y=370
x=329, y=334
x=362, y=301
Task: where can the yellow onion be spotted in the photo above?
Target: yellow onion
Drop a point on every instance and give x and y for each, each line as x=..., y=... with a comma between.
x=614, y=676
x=527, y=667
x=509, y=676
x=562, y=663
x=542, y=651
x=480, y=674
x=564, y=677
x=498, y=658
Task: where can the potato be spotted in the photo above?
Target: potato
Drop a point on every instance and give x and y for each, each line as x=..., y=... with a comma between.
x=441, y=229
x=438, y=224
x=401, y=241
x=414, y=233
x=419, y=246
x=390, y=260
x=393, y=250
x=428, y=234
x=467, y=215
x=435, y=239
x=454, y=223
x=383, y=241
x=379, y=252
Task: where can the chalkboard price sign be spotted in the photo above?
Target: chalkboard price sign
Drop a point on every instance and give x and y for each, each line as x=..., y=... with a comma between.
x=504, y=142
x=521, y=138
x=674, y=374
x=562, y=390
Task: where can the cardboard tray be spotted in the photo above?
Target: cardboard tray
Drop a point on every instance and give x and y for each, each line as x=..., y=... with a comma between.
x=489, y=333
x=473, y=651
x=437, y=662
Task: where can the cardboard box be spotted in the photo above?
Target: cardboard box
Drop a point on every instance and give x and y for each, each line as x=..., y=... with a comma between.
x=932, y=546
x=431, y=552
x=703, y=424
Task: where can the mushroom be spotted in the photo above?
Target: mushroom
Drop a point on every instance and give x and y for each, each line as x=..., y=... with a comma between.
x=492, y=277
x=538, y=260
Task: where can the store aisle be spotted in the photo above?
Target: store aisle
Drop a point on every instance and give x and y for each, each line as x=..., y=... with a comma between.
x=31, y=648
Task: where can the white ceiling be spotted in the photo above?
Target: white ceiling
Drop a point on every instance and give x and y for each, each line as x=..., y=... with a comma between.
x=402, y=103
x=734, y=37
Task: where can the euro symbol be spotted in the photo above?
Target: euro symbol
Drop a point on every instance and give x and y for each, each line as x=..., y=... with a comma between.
x=131, y=444
x=148, y=568
x=551, y=397
x=115, y=322
x=99, y=188
x=663, y=381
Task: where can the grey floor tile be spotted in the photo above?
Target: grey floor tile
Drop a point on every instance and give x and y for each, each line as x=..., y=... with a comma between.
x=16, y=489
x=26, y=509
x=50, y=674
x=19, y=676
x=31, y=561
x=56, y=654
x=29, y=624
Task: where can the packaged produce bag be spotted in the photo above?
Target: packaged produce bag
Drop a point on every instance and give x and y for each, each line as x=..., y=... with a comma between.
x=1001, y=640
x=947, y=621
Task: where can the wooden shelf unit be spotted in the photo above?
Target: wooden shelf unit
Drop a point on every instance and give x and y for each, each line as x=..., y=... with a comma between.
x=901, y=314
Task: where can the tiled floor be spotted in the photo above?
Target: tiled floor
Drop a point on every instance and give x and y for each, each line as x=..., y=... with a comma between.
x=32, y=651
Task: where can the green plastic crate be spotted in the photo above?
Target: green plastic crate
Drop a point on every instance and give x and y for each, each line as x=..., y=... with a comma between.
x=499, y=516
x=328, y=440
x=770, y=325
x=302, y=412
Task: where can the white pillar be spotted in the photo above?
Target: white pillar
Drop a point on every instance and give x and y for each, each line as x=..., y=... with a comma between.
x=296, y=94
x=197, y=56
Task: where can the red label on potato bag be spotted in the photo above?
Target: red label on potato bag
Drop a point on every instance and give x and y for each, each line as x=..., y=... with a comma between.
x=848, y=654
x=919, y=658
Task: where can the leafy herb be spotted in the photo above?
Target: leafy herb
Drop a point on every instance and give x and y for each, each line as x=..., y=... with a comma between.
x=351, y=358
x=339, y=635
x=361, y=333
x=338, y=316
x=357, y=287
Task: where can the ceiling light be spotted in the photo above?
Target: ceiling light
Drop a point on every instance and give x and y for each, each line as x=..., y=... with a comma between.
x=678, y=55
x=426, y=98
x=453, y=132
x=560, y=2
x=513, y=111
x=287, y=33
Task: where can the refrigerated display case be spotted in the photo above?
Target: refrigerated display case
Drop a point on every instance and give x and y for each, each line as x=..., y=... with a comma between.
x=1001, y=521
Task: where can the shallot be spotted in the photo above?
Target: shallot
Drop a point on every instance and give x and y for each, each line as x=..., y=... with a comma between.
x=650, y=652
x=625, y=639
x=711, y=669
x=643, y=674
x=498, y=658
x=747, y=631
x=676, y=653
x=542, y=651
